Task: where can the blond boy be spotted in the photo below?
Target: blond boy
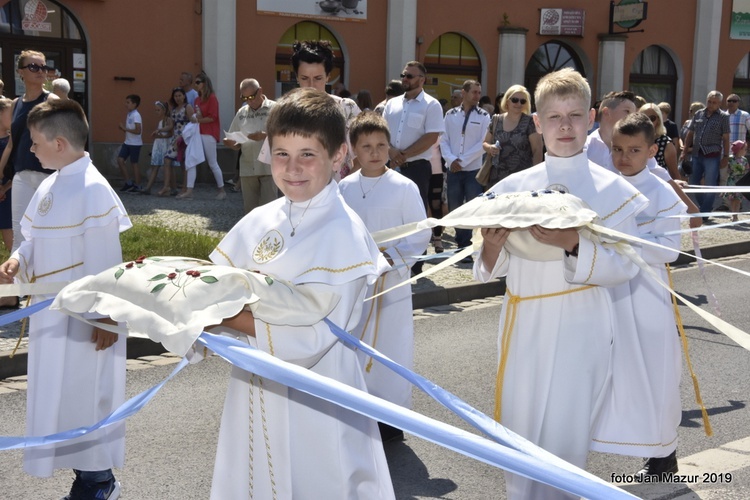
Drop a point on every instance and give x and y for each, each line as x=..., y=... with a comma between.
x=554, y=365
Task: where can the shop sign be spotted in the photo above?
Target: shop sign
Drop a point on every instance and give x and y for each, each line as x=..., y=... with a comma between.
x=566, y=22
x=740, y=21
x=330, y=10
x=34, y=15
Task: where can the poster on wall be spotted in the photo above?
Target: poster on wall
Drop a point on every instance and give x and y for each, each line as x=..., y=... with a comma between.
x=331, y=10
x=740, y=21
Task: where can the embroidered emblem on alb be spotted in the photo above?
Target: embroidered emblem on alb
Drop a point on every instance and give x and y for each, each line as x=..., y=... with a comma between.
x=45, y=204
x=269, y=247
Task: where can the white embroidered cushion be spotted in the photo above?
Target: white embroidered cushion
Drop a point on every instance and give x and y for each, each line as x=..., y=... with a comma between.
x=519, y=211
x=172, y=299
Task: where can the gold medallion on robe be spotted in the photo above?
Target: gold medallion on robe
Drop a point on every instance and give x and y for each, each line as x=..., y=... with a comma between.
x=269, y=247
x=45, y=204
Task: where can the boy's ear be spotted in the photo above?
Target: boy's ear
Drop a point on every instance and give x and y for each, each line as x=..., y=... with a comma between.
x=338, y=157
x=61, y=144
x=592, y=117
x=535, y=116
x=652, y=150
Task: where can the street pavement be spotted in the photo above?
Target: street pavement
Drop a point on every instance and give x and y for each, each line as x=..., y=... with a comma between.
x=171, y=442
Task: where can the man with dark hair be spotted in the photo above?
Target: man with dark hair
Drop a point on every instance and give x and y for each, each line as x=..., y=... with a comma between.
x=415, y=120
x=393, y=89
x=461, y=147
x=312, y=61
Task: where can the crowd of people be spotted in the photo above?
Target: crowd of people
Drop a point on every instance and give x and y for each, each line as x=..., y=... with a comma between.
x=315, y=168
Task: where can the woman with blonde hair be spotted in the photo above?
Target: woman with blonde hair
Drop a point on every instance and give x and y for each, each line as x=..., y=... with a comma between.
x=512, y=139
x=666, y=155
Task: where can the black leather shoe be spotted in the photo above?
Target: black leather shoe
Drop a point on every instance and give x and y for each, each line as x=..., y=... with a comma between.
x=657, y=468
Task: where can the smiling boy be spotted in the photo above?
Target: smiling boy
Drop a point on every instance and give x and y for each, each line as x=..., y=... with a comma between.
x=554, y=366
x=296, y=445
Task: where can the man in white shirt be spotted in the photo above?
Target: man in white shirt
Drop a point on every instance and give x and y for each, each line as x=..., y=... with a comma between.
x=461, y=147
x=415, y=120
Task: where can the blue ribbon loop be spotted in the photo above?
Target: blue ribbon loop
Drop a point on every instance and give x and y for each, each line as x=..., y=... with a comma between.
x=510, y=451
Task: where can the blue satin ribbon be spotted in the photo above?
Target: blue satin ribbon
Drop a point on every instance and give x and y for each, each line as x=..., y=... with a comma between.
x=511, y=452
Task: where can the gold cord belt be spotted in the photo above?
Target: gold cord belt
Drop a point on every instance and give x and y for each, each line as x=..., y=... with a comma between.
x=28, y=300
x=510, y=319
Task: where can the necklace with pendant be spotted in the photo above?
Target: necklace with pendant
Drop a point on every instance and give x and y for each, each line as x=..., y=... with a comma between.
x=365, y=193
x=294, y=228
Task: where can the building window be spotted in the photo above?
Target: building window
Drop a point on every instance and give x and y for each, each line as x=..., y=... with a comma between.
x=741, y=83
x=549, y=57
x=450, y=60
x=305, y=30
x=653, y=76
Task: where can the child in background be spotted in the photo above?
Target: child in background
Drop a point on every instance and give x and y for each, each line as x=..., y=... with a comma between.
x=641, y=415
x=131, y=148
x=162, y=141
x=554, y=369
x=76, y=373
x=738, y=167
x=384, y=199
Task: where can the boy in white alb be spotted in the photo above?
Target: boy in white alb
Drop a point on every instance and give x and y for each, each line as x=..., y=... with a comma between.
x=277, y=442
x=76, y=373
x=641, y=416
x=384, y=199
x=554, y=368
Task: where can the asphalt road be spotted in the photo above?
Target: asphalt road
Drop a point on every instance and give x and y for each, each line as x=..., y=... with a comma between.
x=171, y=442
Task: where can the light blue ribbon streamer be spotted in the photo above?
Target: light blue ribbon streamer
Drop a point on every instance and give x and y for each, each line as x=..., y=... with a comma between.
x=126, y=410
x=568, y=477
x=511, y=453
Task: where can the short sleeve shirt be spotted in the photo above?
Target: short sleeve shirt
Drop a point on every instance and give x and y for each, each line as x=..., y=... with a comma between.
x=408, y=120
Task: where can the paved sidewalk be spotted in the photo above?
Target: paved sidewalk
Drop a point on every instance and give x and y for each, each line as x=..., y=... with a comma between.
x=455, y=284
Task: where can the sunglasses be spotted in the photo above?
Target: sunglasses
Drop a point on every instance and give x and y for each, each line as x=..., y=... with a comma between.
x=409, y=76
x=34, y=68
x=516, y=100
x=198, y=82
x=732, y=100
x=653, y=118
x=250, y=97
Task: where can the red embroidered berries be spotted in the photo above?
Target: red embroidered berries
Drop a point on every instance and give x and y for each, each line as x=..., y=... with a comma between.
x=172, y=276
x=129, y=265
x=192, y=273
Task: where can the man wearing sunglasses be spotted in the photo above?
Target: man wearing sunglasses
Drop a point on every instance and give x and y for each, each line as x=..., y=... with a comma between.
x=415, y=120
x=256, y=183
x=739, y=120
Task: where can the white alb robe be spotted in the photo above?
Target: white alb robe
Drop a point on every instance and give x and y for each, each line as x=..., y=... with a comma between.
x=558, y=357
x=295, y=445
x=387, y=322
x=642, y=413
x=72, y=227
